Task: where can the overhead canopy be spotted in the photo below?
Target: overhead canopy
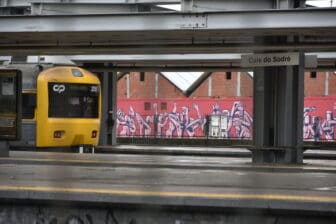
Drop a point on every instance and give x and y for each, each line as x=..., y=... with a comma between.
x=162, y=33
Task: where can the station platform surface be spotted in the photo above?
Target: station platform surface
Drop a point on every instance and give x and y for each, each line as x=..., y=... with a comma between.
x=168, y=180
x=175, y=150
x=206, y=151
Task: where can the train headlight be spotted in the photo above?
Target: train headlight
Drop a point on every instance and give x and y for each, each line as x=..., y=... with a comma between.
x=57, y=134
x=94, y=134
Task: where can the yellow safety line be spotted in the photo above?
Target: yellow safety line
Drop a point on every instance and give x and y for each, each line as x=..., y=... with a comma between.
x=279, y=197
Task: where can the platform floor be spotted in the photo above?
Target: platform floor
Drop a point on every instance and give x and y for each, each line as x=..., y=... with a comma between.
x=221, y=182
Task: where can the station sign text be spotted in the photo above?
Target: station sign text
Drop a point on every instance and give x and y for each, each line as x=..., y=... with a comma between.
x=271, y=59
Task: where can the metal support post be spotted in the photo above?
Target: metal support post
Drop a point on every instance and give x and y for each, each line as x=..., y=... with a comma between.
x=108, y=131
x=103, y=139
x=113, y=78
x=278, y=113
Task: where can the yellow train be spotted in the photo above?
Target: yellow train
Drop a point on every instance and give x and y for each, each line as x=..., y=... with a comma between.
x=61, y=106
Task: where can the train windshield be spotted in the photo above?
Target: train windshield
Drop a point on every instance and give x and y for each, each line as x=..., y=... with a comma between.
x=71, y=100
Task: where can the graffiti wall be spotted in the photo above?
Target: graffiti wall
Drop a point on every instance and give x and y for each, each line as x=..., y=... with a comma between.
x=230, y=118
x=318, y=118
x=185, y=118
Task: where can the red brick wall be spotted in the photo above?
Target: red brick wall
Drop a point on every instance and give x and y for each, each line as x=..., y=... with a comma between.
x=246, y=84
x=202, y=90
x=146, y=88
x=167, y=90
x=121, y=88
x=142, y=89
x=223, y=87
x=332, y=83
x=314, y=86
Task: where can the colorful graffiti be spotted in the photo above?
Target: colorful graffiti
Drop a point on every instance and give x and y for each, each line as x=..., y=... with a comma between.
x=224, y=118
x=184, y=118
x=318, y=118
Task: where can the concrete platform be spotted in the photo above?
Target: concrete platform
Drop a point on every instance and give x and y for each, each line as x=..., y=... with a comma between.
x=179, y=181
x=176, y=150
x=240, y=151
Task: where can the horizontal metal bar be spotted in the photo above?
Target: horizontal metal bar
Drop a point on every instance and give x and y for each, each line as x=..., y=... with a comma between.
x=288, y=21
x=160, y=33
x=28, y=2
x=188, y=68
x=81, y=9
x=60, y=49
x=177, y=57
x=167, y=68
x=162, y=57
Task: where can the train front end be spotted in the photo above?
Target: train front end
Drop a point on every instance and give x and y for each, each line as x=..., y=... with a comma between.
x=68, y=107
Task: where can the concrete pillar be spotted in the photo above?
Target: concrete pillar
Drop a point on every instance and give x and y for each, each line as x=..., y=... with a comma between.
x=4, y=149
x=278, y=112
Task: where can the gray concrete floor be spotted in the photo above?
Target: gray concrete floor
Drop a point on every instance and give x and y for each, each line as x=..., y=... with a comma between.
x=168, y=180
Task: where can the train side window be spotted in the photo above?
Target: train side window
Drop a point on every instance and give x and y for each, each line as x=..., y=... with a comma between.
x=28, y=105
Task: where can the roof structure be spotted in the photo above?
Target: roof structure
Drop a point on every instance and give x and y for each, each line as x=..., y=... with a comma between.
x=183, y=80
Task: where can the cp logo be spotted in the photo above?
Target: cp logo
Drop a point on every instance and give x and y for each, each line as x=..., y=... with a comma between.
x=59, y=88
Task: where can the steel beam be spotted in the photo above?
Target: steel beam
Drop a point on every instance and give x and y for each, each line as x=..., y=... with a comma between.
x=179, y=62
x=188, y=62
x=113, y=79
x=156, y=48
x=166, y=32
x=14, y=3
x=105, y=119
x=38, y=8
x=220, y=5
x=239, y=5
x=299, y=21
x=83, y=9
